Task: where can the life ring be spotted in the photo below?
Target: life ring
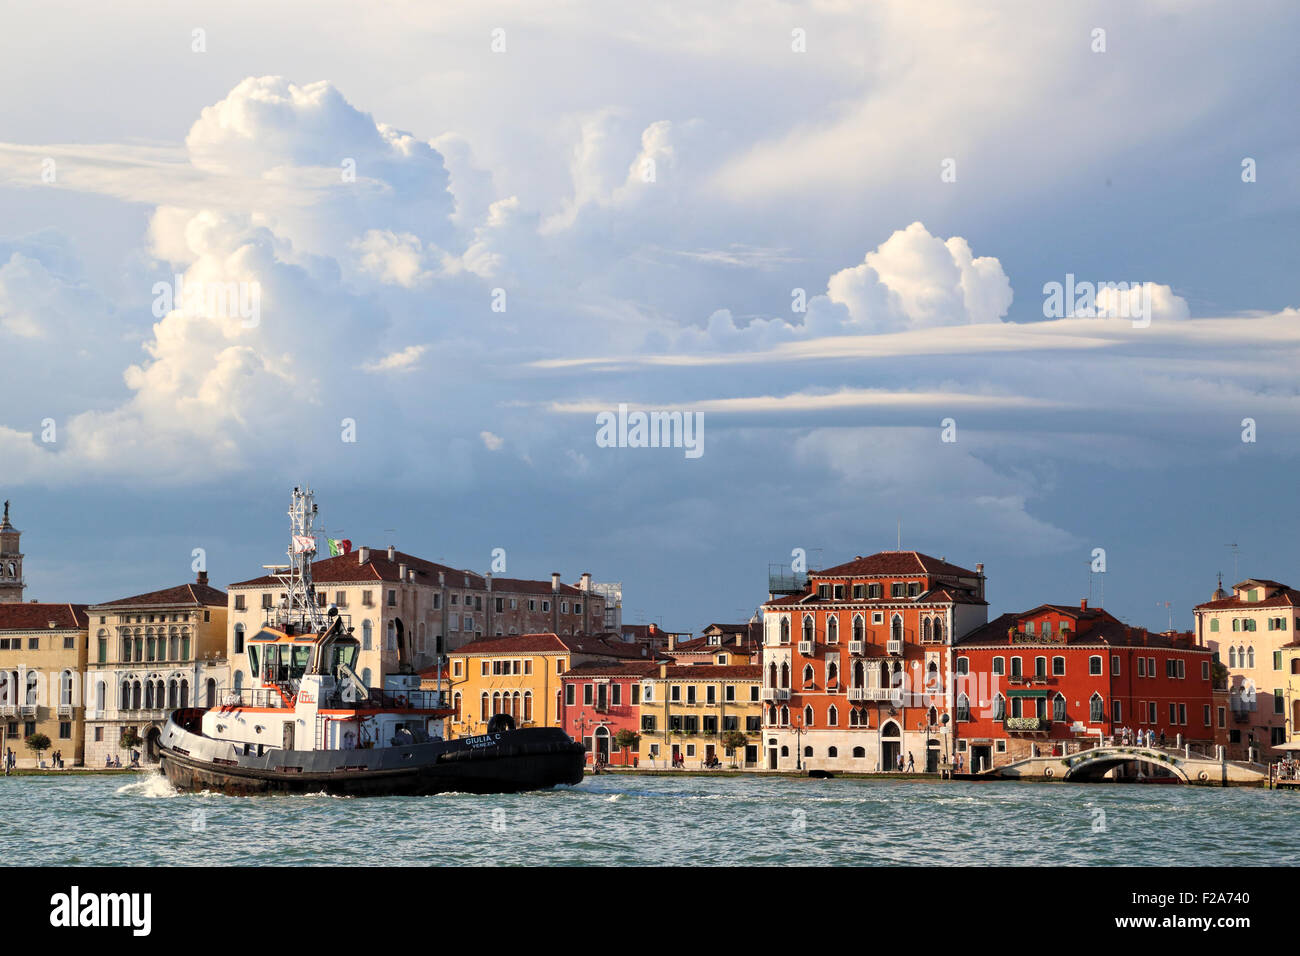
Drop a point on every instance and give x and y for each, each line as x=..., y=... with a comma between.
x=1048, y=771
x=1203, y=776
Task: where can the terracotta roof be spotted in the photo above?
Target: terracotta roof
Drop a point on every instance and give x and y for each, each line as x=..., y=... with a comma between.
x=522, y=586
x=715, y=672
x=890, y=563
x=1108, y=630
x=940, y=595
x=348, y=569
x=183, y=595
x=38, y=617
x=613, y=669
x=1288, y=597
x=514, y=644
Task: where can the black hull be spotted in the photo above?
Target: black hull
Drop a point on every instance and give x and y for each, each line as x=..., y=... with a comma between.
x=510, y=762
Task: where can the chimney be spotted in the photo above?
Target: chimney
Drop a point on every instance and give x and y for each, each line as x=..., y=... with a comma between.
x=555, y=582
x=663, y=670
x=672, y=640
x=392, y=553
x=363, y=556
x=401, y=568
x=1083, y=604
x=585, y=584
x=203, y=577
x=487, y=581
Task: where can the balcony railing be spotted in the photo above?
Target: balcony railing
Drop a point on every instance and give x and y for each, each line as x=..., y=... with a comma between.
x=8, y=710
x=857, y=647
x=895, y=647
x=805, y=648
x=1026, y=724
x=65, y=710
x=776, y=693
x=27, y=710
x=874, y=693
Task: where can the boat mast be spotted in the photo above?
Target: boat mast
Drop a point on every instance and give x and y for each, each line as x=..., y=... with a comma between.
x=299, y=605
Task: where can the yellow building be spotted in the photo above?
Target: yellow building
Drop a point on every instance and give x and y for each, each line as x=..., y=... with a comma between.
x=42, y=658
x=688, y=709
x=520, y=676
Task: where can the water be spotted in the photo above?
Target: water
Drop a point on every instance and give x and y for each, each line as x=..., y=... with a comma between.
x=672, y=820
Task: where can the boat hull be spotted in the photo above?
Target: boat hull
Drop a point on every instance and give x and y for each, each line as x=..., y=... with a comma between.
x=508, y=762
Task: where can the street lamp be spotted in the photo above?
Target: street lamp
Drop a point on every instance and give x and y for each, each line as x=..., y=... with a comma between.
x=798, y=735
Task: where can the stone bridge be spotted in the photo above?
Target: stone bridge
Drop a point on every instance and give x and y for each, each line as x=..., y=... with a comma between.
x=1097, y=763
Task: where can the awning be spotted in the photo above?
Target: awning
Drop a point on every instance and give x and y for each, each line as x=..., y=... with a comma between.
x=1289, y=745
x=1025, y=692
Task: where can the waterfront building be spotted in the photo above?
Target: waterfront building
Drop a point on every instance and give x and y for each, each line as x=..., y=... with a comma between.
x=1058, y=678
x=1249, y=630
x=857, y=664
x=12, y=583
x=519, y=606
x=600, y=699
x=42, y=658
x=716, y=646
x=521, y=675
x=149, y=654
x=404, y=610
x=687, y=711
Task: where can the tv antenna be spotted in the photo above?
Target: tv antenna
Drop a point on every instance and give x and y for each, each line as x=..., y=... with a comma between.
x=1233, y=548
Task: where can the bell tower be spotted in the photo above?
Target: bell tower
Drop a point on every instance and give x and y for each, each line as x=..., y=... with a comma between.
x=11, y=562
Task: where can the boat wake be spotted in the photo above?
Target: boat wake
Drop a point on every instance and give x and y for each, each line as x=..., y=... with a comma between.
x=152, y=787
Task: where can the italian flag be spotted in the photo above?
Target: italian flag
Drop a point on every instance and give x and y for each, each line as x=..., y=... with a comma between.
x=339, y=546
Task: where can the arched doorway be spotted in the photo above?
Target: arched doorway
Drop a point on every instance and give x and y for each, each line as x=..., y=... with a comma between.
x=151, y=744
x=932, y=755
x=602, y=745
x=891, y=743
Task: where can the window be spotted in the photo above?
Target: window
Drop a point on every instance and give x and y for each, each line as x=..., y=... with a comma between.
x=1173, y=713
x=1058, y=709
x=559, y=665
x=586, y=694
x=913, y=589
x=963, y=665
x=1058, y=666
x=1279, y=703
x=731, y=694
x=239, y=604
x=963, y=706
x=858, y=592
x=1205, y=714
x=877, y=617
x=1096, y=706
x=1094, y=666
x=1205, y=670
x=571, y=694
x=266, y=600
x=898, y=590
x=1114, y=665
x=1277, y=660
x=1142, y=667
x=1116, y=711
x=999, y=708
x=392, y=597
x=999, y=666
x=1040, y=667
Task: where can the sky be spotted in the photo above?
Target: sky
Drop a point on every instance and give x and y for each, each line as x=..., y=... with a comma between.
x=421, y=250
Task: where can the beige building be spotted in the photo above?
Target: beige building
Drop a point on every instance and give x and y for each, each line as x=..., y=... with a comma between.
x=150, y=654
x=688, y=709
x=400, y=607
x=1250, y=630
x=42, y=655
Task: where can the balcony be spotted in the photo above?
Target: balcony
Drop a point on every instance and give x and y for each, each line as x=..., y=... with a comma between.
x=65, y=710
x=857, y=647
x=1027, y=725
x=8, y=710
x=895, y=647
x=26, y=710
x=776, y=693
x=806, y=648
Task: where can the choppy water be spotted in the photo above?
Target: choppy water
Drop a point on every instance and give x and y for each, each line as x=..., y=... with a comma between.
x=670, y=820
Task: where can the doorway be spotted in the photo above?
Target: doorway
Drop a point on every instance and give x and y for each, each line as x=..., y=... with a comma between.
x=981, y=757
x=891, y=743
x=932, y=756
x=602, y=745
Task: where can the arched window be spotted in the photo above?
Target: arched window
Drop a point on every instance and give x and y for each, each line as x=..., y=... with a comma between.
x=807, y=627
x=1232, y=657
x=126, y=695
x=932, y=717
x=1096, y=709
x=785, y=630
x=771, y=675
x=785, y=751
x=925, y=630
x=859, y=674
x=999, y=708
x=938, y=630
x=365, y=677
x=859, y=628
x=1250, y=657
x=785, y=716
x=859, y=752
x=455, y=704
x=135, y=695
x=785, y=674
x=832, y=751
x=211, y=693
x=832, y=673
x=807, y=751
x=832, y=718
x=1058, y=708
x=185, y=692
x=392, y=637
x=807, y=675
x=808, y=716
x=833, y=630
x=896, y=628
x=528, y=705
x=101, y=696
x=366, y=635
x=963, y=707
x=483, y=709
x=239, y=638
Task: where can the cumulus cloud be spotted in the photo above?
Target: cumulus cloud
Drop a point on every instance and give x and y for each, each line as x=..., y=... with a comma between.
x=916, y=280
x=491, y=442
x=405, y=360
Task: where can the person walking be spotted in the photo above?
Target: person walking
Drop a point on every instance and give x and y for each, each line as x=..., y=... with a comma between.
x=911, y=764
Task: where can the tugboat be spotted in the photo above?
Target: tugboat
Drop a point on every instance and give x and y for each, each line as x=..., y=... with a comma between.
x=309, y=725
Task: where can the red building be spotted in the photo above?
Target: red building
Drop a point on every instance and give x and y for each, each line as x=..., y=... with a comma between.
x=857, y=665
x=1058, y=675
x=600, y=699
